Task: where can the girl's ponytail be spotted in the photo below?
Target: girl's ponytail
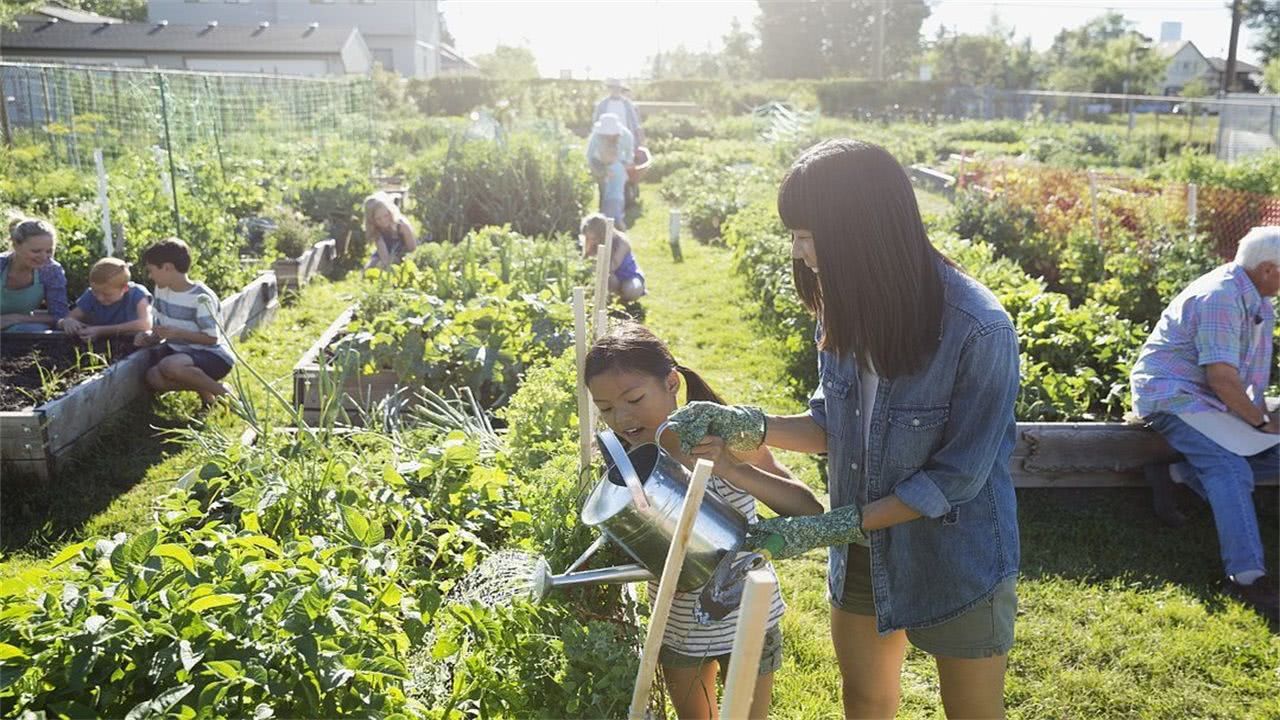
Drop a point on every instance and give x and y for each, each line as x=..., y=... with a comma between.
x=696, y=388
x=633, y=347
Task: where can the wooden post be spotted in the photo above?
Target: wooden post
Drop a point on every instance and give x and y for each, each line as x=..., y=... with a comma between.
x=586, y=419
x=604, y=253
x=661, y=605
x=748, y=644
x=673, y=235
x=4, y=113
x=107, y=245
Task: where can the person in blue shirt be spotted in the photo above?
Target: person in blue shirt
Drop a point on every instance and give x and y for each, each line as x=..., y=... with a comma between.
x=33, y=286
x=917, y=378
x=113, y=304
x=617, y=103
x=610, y=149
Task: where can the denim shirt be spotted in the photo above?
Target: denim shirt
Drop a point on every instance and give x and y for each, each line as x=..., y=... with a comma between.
x=940, y=441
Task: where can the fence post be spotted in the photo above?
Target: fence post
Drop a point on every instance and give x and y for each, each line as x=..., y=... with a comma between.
x=217, y=132
x=73, y=140
x=168, y=144
x=102, y=200
x=673, y=232
x=4, y=112
x=48, y=114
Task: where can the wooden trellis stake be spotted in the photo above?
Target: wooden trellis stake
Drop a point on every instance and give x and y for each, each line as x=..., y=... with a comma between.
x=586, y=419
x=748, y=644
x=660, y=609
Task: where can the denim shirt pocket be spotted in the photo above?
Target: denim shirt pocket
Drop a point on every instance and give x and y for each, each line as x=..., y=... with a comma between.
x=915, y=433
x=836, y=390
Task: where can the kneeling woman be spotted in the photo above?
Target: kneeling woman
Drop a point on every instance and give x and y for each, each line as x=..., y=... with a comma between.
x=918, y=372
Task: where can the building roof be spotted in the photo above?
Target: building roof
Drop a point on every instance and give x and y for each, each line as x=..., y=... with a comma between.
x=66, y=14
x=1220, y=65
x=155, y=37
x=1170, y=48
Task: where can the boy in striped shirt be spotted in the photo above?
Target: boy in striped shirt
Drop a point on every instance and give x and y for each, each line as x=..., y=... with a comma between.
x=192, y=353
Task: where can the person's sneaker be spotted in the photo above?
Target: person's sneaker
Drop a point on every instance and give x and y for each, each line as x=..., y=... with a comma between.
x=1262, y=595
x=1163, y=497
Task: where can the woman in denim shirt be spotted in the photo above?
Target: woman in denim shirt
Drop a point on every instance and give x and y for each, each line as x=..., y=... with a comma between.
x=29, y=277
x=918, y=372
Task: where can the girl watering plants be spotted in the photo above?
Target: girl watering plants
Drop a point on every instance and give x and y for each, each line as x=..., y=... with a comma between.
x=390, y=230
x=30, y=278
x=635, y=383
x=917, y=376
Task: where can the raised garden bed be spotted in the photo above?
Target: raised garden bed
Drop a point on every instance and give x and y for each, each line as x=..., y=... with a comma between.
x=39, y=437
x=313, y=374
x=296, y=272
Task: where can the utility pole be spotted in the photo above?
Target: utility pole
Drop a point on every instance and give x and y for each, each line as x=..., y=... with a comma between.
x=880, y=40
x=1229, y=76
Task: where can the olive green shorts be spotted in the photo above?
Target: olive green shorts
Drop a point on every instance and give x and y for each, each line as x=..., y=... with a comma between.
x=984, y=630
x=770, y=655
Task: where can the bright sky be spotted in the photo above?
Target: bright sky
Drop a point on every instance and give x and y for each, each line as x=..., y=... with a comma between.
x=598, y=39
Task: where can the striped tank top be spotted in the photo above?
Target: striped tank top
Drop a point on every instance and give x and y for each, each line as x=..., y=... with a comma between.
x=683, y=634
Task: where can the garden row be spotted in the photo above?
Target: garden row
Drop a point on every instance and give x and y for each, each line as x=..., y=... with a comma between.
x=315, y=572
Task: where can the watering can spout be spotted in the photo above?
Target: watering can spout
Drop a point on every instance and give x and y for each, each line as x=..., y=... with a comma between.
x=545, y=582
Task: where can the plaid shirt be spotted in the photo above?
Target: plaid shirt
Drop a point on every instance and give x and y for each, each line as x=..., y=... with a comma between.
x=1215, y=320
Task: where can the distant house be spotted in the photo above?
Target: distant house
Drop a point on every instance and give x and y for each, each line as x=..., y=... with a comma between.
x=1187, y=63
x=265, y=48
x=402, y=35
x=453, y=64
x=61, y=13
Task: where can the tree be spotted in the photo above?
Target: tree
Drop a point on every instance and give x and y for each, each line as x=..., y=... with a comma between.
x=993, y=58
x=1264, y=15
x=1196, y=88
x=1104, y=55
x=820, y=38
x=1271, y=76
x=131, y=10
x=740, y=58
x=508, y=63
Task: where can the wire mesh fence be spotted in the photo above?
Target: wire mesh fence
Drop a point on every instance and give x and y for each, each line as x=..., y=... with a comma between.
x=78, y=109
x=1234, y=127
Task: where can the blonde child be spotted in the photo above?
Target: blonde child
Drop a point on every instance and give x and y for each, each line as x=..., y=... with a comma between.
x=389, y=229
x=634, y=382
x=113, y=304
x=625, y=277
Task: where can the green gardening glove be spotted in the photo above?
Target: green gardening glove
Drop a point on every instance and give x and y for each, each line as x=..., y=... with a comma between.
x=741, y=426
x=787, y=537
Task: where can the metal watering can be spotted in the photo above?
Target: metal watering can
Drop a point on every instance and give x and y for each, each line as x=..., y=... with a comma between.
x=644, y=524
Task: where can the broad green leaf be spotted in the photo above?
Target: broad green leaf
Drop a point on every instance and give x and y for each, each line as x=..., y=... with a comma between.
x=9, y=652
x=355, y=522
x=392, y=477
x=133, y=551
x=383, y=665
x=229, y=669
x=160, y=704
x=68, y=553
x=188, y=656
x=178, y=553
x=212, y=601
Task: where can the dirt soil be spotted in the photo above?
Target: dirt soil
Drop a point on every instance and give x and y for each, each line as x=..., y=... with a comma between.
x=34, y=373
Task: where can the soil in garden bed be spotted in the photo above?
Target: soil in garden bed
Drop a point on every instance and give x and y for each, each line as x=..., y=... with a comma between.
x=34, y=373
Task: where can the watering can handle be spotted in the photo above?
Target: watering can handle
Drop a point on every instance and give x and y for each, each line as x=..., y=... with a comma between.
x=613, y=449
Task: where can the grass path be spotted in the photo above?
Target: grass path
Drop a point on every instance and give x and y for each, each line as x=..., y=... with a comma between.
x=1119, y=617
x=114, y=486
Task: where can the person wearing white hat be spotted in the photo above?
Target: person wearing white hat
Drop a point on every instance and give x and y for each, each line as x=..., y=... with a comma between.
x=610, y=149
x=619, y=104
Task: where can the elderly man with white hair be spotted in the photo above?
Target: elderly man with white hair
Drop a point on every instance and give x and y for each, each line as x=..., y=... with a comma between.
x=1199, y=381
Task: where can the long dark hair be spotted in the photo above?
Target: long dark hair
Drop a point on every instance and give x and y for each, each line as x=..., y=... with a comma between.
x=878, y=292
x=632, y=347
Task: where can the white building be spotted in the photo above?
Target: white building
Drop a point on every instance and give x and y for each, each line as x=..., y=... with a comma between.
x=1187, y=63
x=402, y=35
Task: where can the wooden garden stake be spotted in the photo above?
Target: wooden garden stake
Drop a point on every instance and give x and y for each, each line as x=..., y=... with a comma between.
x=603, y=255
x=748, y=643
x=661, y=605
x=585, y=419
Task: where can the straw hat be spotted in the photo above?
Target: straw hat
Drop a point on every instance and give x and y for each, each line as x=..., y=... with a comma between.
x=613, y=83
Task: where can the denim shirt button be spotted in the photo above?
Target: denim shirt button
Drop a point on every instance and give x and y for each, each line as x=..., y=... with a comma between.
x=854, y=465
x=915, y=421
x=857, y=413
